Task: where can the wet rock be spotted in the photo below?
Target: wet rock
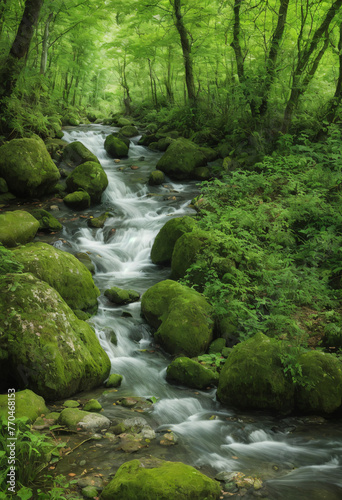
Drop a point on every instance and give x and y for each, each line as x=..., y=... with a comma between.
x=86, y=261
x=120, y=296
x=27, y=404
x=94, y=481
x=78, y=200
x=169, y=439
x=137, y=403
x=130, y=443
x=156, y=178
x=70, y=403
x=181, y=159
x=190, y=373
x=114, y=380
x=94, y=422
x=89, y=177
x=129, y=131
x=74, y=418
x=76, y=154
x=47, y=222
x=17, y=228
x=115, y=147
x=160, y=480
x=93, y=406
x=99, y=222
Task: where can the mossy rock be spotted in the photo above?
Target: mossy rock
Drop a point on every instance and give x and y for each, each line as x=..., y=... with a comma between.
x=253, y=377
x=186, y=371
x=123, y=122
x=27, y=404
x=17, y=227
x=181, y=159
x=70, y=417
x=165, y=240
x=156, y=178
x=154, y=479
x=43, y=345
x=93, y=406
x=147, y=139
x=120, y=296
x=129, y=131
x=321, y=391
x=79, y=200
x=47, y=222
x=89, y=177
x=217, y=346
x=186, y=249
x=114, y=380
x=55, y=148
x=202, y=174
x=182, y=315
x=115, y=147
x=62, y=271
x=210, y=154
x=27, y=167
x=70, y=119
x=163, y=144
x=3, y=186
x=76, y=153
x=86, y=261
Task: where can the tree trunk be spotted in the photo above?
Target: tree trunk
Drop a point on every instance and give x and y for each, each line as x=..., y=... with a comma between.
x=45, y=47
x=19, y=50
x=336, y=100
x=186, y=49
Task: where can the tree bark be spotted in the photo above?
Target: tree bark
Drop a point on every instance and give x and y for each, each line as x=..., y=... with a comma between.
x=45, y=47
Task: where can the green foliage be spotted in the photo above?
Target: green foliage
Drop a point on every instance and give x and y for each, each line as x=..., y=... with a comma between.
x=8, y=262
x=215, y=360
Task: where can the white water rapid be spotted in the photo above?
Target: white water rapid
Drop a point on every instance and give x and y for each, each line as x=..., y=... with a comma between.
x=296, y=459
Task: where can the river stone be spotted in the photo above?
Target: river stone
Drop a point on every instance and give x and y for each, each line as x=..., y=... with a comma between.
x=43, y=344
x=181, y=159
x=47, y=222
x=121, y=297
x=17, y=228
x=27, y=404
x=253, y=377
x=123, y=122
x=182, y=316
x=115, y=147
x=190, y=373
x=99, y=222
x=74, y=418
x=89, y=177
x=165, y=240
x=62, y=271
x=71, y=403
x=156, y=178
x=94, y=422
x=27, y=167
x=153, y=479
x=129, y=131
x=93, y=406
x=322, y=388
x=79, y=200
x=114, y=380
x=76, y=153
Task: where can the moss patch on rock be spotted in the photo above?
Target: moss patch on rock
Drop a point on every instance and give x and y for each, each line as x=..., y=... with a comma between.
x=115, y=147
x=129, y=131
x=79, y=200
x=114, y=380
x=63, y=272
x=17, y=227
x=27, y=167
x=181, y=159
x=182, y=315
x=120, y=296
x=165, y=241
x=44, y=346
x=253, y=377
x=89, y=177
x=76, y=154
x=186, y=371
x=153, y=479
x=47, y=222
x=27, y=404
x=156, y=178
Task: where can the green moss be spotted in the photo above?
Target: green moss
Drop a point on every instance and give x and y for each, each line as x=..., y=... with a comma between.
x=114, y=380
x=76, y=153
x=47, y=222
x=62, y=271
x=27, y=404
x=47, y=347
x=202, y=174
x=71, y=403
x=27, y=167
x=79, y=200
x=115, y=147
x=182, y=315
x=93, y=406
x=253, y=377
x=71, y=119
x=322, y=392
x=181, y=159
x=156, y=178
x=185, y=251
x=217, y=346
x=86, y=261
x=70, y=417
x=3, y=186
x=89, y=177
x=99, y=222
x=119, y=296
x=190, y=373
x=123, y=122
x=129, y=131
x=151, y=479
x=17, y=227
x=165, y=241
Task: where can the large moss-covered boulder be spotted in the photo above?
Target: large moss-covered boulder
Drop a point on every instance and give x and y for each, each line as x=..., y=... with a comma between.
x=27, y=404
x=17, y=228
x=186, y=371
x=154, y=479
x=115, y=147
x=181, y=159
x=89, y=177
x=61, y=270
x=76, y=154
x=186, y=249
x=47, y=222
x=253, y=377
x=129, y=131
x=43, y=345
x=321, y=390
x=78, y=200
x=27, y=167
x=182, y=316
x=165, y=241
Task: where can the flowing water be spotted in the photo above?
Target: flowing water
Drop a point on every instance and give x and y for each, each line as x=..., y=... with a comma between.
x=296, y=458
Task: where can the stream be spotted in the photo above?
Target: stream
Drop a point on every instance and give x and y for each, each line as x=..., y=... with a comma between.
x=295, y=457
